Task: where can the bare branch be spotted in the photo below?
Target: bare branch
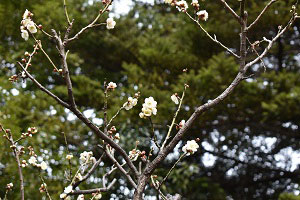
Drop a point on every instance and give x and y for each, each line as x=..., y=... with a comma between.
x=91, y=25
x=90, y=172
x=214, y=39
x=120, y=168
x=43, y=88
x=66, y=12
x=261, y=14
x=231, y=11
x=96, y=190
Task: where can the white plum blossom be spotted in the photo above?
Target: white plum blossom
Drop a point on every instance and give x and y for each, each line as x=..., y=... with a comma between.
x=24, y=34
x=25, y=22
x=190, y=147
x=63, y=195
x=110, y=23
x=149, y=108
x=32, y=160
x=31, y=27
x=111, y=85
x=131, y=102
x=98, y=196
x=85, y=157
x=203, y=15
x=79, y=176
x=182, y=5
x=80, y=197
x=44, y=165
x=26, y=14
x=68, y=189
x=69, y=156
x=175, y=99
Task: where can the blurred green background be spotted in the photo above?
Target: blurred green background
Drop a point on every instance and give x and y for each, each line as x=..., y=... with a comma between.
x=249, y=143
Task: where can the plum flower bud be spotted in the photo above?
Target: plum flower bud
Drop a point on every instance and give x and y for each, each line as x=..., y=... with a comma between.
x=111, y=85
x=24, y=163
x=181, y=124
x=80, y=197
x=190, y=147
x=24, y=35
x=98, y=196
x=110, y=23
x=175, y=98
x=195, y=3
x=203, y=15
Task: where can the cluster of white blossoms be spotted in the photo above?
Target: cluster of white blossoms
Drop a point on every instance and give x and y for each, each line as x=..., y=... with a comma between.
x=149, y=108
x=33, y=161
x=110, y=23
x=183, y=6
x=67, y=191
x=134, y=154
x=27, y=25
x=131, y=102
x=190, y=147
x=87, y=157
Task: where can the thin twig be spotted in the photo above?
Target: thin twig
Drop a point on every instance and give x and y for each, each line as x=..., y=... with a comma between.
x=153, y=134
x=174, y=119
x=44, y=89
x=228, y=8
x=118, y=112
x=214, y=39
x=169, y=172
x=91, y=25
x=96, y=190
x=115, y=162
x=66, y=12
x=261, y=14
x=46, y=187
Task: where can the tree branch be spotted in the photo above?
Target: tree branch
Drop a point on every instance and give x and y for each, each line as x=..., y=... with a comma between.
x=231, y=11
x=261, y=14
